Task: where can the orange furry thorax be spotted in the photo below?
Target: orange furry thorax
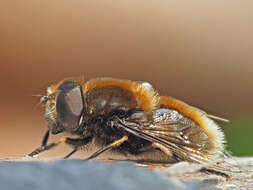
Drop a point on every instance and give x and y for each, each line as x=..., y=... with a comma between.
x=147, y=99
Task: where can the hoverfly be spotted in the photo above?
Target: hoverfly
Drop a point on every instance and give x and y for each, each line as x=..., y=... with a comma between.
x=130, y=118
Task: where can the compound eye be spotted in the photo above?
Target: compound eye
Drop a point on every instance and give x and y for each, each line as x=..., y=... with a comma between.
x=69, y=105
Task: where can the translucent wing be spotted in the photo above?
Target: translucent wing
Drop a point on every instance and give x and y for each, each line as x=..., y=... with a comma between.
x=190, y=141
x=179, y=134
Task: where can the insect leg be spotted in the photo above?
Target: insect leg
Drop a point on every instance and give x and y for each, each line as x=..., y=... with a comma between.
x=70, y=154
x=76, y=143
x=45, y=138
x=163, y=149
x=46, y=147
x=110, y=146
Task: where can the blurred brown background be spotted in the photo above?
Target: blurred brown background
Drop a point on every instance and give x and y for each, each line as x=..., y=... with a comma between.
x=200, y=52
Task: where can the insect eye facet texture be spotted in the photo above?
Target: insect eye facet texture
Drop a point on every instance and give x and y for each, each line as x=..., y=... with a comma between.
x=69, y=105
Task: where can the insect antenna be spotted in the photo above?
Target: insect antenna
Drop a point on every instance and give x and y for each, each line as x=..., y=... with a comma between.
x=39, y=103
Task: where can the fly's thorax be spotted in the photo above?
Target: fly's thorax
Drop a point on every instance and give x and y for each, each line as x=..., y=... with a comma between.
x=103, y=100
x=121, y=92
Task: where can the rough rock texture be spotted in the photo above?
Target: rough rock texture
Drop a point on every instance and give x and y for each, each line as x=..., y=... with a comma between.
x=239, y=171
x=76, y=174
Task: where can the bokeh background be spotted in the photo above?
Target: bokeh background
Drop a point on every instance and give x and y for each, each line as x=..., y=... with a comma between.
x=200, y=52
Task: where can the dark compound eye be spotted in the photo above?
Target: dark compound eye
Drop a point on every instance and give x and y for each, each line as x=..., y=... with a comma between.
x=70, y=105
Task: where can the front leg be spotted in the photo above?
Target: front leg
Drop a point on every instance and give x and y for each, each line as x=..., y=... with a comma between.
x=77, y=143
x=46, y=147
x=45, y=138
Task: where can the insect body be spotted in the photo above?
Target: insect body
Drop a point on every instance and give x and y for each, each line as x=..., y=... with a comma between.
x=130, y=118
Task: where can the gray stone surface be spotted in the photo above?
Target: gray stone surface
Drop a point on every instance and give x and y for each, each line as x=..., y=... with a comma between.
x=76, y=174
x=33, y=174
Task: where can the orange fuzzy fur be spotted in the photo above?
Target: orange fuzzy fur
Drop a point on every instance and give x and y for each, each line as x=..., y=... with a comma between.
x=147, y=99
x=200, y=118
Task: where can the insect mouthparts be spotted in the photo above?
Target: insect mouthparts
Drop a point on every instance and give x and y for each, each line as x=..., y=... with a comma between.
x=43, y=100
